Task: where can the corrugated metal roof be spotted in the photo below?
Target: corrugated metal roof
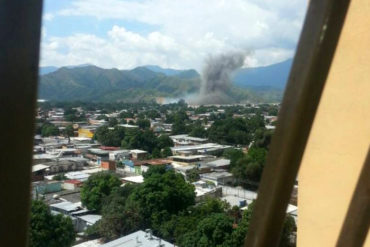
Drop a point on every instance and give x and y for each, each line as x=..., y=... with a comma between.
x=66, y=206
x=39, y=167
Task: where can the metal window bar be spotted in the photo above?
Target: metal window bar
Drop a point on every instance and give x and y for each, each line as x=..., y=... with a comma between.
x=316, y=48
x=20, y=23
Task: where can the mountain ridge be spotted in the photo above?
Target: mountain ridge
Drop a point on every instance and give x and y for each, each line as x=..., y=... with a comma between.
x=92, y=83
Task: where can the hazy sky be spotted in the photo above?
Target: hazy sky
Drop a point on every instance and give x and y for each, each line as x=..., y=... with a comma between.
x=169, y=33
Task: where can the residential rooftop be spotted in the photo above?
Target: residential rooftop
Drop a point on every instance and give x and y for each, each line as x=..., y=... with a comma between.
x=139, y=238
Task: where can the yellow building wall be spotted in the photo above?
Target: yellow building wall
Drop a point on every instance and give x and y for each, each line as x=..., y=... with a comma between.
x=340, y=137
x=85, y=133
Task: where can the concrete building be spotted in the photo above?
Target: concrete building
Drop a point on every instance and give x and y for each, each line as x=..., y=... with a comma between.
x=218, y=164
x=218, y=178
x=66, y=207
x=87, y=132
x=185, y=140
x=90, y=243
x=119, y=155
x=84, y=221
x=138, y=154
x=143, y=165
x=192, y=160
x=128, y=126
x=139, y=238
x=60, y=165
x=207, y=148
x=108, y=165
x=38, y=172
x=44, y=187
x=204, y=190
x=71, y=184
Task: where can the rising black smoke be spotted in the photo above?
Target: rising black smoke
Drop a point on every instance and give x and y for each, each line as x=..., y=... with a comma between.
x=216, y=81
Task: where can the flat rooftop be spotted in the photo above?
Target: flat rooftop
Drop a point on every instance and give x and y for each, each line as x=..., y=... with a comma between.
x=139, y=238
x=134, y=179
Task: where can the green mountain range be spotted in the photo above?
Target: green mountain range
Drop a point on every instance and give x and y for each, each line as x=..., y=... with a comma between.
x=91, y=83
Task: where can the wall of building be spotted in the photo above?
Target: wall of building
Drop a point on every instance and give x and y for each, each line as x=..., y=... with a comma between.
x=85, y=133
x=340, y=137
x=108, y=165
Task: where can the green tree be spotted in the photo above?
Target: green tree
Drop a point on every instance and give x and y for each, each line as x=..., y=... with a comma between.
x=145, y=140
x=166, y=152
x=156, y=153
x=118, y=218
x=192, y=175
x=163, y=193
x=255, y=122
x=49, y=129
x=233, y=155
x=262, y=138
x=213, y=230
x=178, y=127
x=69, y=131
x=164, y=141
x=110, y=137
x=143, y=123
x=230, y=131
x=47, y=230
x=249, y=168
x=71, y=115
x=186, y=221
x=238, y=235
x=96, y=188
x=112, y=122
x=198, y=131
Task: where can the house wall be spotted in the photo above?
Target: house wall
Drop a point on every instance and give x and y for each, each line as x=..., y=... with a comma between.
x=85, y=133
x=340, y=138
x=69, y=186
x=108, y=165
x=48, y=187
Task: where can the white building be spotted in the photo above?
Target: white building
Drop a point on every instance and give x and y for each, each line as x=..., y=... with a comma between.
x=139, y=238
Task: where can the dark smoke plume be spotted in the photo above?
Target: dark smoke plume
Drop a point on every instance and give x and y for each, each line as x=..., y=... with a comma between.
x=216, y=80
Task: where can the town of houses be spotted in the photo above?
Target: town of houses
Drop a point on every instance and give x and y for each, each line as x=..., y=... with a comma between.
x=61, y=164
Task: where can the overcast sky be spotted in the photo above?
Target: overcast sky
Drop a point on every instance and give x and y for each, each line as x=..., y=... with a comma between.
x=170, y=33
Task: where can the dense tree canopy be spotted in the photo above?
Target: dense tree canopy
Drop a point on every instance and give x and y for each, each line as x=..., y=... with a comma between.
x=112, y=122
x=117, y=218
x=49, y=129
x=146, y=140
x=262, y=138
x=248, y=169
x=230, y=131
x=164, y=141
x=47, y=230
x=233, y=155
x=68, y=131
x=72, y=115
x=212, y=230
x=192, y=175
x=96, y=188
x=110, y=137
x=141, y=140
x=166, y=152
x=163, y=192
x=198, y=130
x=143, y=123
